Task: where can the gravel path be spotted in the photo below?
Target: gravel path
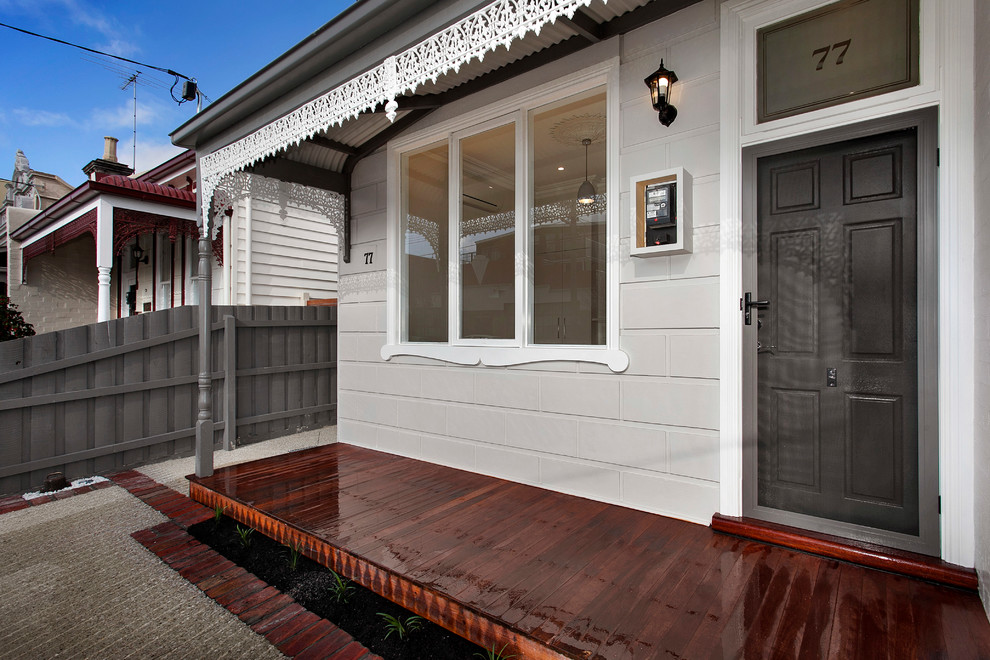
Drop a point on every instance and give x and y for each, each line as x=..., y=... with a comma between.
x=74, y=584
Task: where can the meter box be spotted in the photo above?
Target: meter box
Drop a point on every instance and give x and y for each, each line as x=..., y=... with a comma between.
x=660, y=213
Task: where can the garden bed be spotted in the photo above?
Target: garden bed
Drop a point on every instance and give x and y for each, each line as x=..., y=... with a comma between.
x=315, y=587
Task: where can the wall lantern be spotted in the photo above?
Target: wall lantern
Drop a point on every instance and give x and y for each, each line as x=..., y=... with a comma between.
x=660, y=83
x=138, y=255
x=586, y=193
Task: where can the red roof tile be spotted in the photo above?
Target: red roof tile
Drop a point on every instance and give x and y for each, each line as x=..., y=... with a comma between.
x=150, y=188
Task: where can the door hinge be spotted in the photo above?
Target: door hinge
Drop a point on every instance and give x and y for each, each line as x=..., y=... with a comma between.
x=938, y=158
x=939, y=505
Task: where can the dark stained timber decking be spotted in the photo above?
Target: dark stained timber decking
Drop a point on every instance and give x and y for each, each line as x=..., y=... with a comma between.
x=553, y=575
x=865, y=554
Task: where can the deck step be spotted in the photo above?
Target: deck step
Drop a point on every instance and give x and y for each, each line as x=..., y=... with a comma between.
x=870, y=555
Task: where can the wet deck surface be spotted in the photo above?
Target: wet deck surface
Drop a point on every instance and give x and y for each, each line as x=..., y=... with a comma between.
x=553, y=574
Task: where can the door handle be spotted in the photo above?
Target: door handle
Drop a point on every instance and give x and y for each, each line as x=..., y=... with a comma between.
x=747, y=304
x=760, y=348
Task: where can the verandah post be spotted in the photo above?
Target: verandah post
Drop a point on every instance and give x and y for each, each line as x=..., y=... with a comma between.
x=204, y=420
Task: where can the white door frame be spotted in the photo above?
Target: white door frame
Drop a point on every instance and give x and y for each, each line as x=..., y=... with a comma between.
x=947, y=47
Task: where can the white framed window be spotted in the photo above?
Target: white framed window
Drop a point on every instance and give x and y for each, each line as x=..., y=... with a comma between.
x=493, y=257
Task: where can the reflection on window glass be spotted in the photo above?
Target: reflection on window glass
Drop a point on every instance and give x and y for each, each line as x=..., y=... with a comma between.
x=488, y=234
x=568, y=162
x=424, y=248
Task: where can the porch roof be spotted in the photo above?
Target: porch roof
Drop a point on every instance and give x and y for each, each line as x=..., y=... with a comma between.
x=553, y=575
x=381, y=66
x=121, y=186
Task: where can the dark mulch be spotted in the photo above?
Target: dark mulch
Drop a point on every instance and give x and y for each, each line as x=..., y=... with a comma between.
x=310, y=584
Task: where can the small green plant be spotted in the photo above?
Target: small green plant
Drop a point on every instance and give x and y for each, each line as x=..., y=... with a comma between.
x=341, y=589
x=218, y=512
x=245, y=535
x=294, y=554
x=492, y=654
x=12, y=323
x=403, y=629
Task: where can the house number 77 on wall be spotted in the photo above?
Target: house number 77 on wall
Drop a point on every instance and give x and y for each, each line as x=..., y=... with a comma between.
x=825, y=50
x=369, y=257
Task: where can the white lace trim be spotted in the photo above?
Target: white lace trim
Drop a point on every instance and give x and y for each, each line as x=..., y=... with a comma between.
x=497, y=24
x=236, y=185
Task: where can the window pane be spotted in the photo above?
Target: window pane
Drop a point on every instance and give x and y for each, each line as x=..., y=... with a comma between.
x=569, y=236
x=488, y=234
x=425, y=237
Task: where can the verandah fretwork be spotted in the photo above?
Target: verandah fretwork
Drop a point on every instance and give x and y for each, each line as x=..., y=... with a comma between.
x=84, y=224
x=236, y=185
x=127, y=224
x=497, y=24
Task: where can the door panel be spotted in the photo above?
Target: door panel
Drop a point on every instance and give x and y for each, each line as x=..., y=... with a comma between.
x=794, y=273
x=875, y=302
x=795, y=420
x=873, y=432
x=837, y=364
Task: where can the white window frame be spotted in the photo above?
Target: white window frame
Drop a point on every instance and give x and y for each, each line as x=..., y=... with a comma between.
x=519, y=350
x=454, y=177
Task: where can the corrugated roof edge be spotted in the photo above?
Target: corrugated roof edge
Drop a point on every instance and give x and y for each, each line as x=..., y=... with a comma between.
x=320, y=49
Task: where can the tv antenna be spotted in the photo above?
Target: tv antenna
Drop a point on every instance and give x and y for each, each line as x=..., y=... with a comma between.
x=133, y=80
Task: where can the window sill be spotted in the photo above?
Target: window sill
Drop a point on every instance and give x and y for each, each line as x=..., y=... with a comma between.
x=507, y=356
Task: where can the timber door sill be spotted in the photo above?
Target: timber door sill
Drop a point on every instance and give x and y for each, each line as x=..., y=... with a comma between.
x=870, y=555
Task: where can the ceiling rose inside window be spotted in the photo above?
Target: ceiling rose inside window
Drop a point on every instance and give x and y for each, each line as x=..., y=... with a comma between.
x=578, y=128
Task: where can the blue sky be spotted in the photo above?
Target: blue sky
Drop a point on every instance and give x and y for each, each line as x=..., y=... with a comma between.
x=57, y=102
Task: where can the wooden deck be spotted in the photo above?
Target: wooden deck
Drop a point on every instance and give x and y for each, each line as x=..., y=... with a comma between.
x=554, y=575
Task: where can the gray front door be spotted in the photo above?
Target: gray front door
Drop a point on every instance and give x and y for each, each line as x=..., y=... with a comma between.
x=837, y=391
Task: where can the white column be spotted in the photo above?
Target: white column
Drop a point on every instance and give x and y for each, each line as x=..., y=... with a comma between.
x=103, y=300
x=104, y=258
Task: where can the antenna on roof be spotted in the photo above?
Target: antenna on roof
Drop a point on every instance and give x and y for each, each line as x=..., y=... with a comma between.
x=134, y=80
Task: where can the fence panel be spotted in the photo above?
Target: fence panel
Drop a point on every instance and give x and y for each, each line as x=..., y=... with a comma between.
x=78, y=415
x=96, y=398
x=11, y=421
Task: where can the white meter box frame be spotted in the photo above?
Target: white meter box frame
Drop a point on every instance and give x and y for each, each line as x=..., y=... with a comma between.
x=646, y=228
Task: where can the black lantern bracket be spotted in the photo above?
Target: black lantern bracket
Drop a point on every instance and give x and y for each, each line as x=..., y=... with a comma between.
x=660, y=83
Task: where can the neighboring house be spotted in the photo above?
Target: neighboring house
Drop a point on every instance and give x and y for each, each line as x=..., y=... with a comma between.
x=120, y=245
x=803, y=342
x=27, y=192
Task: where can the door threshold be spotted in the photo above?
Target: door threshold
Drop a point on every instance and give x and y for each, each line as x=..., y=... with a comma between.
x=870, y=555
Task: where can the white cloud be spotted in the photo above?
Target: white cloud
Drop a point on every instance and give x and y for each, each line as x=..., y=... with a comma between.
x=150, y=154
x=47, y=118
x=122, y=116
x=81, y=13
x=117, y=46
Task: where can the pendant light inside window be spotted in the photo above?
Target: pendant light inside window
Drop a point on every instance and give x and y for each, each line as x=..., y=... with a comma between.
x=586, y=193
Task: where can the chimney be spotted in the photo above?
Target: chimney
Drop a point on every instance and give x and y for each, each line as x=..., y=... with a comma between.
x=110, y=149
x=108, y=165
